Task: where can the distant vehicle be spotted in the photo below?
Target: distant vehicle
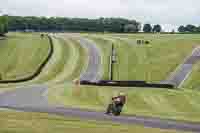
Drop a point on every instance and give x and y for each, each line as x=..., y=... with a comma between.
x=29, y=30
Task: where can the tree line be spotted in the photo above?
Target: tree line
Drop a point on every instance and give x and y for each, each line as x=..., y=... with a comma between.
x=19, y=23
x=59, y=24
x=189, y=29
x=3, y=25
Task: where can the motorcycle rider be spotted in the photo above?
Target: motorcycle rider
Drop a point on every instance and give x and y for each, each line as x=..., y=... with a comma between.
x=117, y=103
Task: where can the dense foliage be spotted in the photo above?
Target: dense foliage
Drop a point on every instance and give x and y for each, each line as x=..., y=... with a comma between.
x=3, y=25
x=147, y=28
x=18, y=23
x=189, y=29
x=157, y=28
x=59, y=24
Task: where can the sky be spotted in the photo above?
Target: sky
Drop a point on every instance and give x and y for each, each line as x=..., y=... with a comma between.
x=169, y=13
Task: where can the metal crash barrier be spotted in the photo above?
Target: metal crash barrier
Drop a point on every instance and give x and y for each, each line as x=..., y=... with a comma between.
x=127, y=84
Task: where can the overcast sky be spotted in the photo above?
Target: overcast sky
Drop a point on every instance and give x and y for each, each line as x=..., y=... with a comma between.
x=169, y=13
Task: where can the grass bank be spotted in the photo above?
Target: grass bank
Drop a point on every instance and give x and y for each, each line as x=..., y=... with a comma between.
x=153, y=62
x=21, y=55
x=67, y=63
x=170, y=104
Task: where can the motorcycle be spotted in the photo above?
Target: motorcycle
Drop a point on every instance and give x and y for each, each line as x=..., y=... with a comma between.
x=115, y=108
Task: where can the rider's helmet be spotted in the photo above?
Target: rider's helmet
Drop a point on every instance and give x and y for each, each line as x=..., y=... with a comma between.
x=122, y=94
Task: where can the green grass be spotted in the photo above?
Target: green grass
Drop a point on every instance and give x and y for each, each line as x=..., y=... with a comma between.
x=153, y=62
x=78, y=61
x=20, y=122
x=21, y=55
x=56, y=63
x=67, y=63
x=170, y=104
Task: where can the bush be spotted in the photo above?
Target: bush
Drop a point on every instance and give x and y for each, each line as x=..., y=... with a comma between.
x=3, y=25
x=147, y=42
x=1, y=29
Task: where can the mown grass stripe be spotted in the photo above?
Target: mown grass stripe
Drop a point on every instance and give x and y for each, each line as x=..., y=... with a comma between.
x=38, y=71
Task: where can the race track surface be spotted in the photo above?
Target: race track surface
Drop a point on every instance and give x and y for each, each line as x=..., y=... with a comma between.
x=93, y=70
x=32, y=96
x=183, y=71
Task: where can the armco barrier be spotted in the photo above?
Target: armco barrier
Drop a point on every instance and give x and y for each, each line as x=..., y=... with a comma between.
x=122, y=83
x=38, y=71
x=127, y=84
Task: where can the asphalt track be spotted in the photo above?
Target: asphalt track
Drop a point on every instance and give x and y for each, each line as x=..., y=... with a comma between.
x=93, y=70
x=183, y=71
x=32, y=99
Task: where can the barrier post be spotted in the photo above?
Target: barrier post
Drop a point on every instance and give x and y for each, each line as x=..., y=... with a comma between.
x=112, y=61
x=76, y=91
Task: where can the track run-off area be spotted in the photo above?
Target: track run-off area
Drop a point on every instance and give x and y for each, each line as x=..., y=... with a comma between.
x=33, y=98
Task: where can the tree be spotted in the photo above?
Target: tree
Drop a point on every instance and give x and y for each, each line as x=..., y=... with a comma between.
x=190, y=28
x=157, y=28
x=131, y=28
x=1, y=29
x=181, y=29
x=3, y=25
x=198, y=29
x=147, y=28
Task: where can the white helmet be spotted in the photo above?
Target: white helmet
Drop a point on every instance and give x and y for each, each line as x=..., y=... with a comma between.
x=122, y=94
